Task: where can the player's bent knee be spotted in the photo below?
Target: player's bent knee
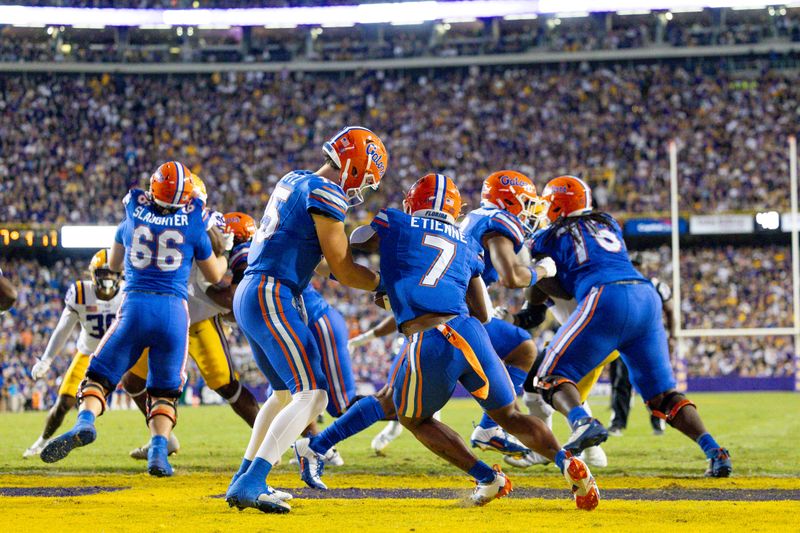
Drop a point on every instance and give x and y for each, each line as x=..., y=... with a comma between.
x=667, y=405
x=522, y=356
x=231, y=391
x=133, y=385
x=317, y=397
x=160, y=406
x=546, y=386
x=91, y=388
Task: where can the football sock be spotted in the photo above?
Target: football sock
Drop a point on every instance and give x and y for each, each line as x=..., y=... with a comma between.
x=276, y=401
x=85, y=417
x=560, y=457
x=708, y=444
x=517, y=376
x=357, y=418
x=259, y=469
x=576, y=414
x=290, y=423
x=482, y=472
x=244, y=466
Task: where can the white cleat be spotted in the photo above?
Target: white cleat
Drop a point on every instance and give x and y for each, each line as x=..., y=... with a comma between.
x=486, y=492
x=281, y=495
x=172, y=448
x=529, y=459
x=499, y=440
x=595, y=456
x=310, y=463
x=35, y=448
x=392, y=430
x=581, y=480
x=333, y=457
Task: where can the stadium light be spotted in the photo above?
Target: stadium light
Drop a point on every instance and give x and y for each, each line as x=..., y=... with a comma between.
x=383, y=13
x=87, y=236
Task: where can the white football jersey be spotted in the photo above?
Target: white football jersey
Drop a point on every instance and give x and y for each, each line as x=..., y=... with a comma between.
x=201, y=307
x=94, y=314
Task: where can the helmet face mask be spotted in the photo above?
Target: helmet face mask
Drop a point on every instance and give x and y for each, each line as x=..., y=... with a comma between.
x=106, y=281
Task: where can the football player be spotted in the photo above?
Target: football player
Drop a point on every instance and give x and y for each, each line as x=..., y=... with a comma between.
x=302, y=223
x=93, y=304
x=433, y=282
x=8, y=293
x=162, y=234
x=208, y=345
x=619, y=309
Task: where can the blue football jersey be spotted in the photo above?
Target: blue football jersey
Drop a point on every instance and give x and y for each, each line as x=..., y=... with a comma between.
x=159, y=249
x=315, y=304
x=426, y=264
x=485, y=220
x=286, y=246
x=588, y=252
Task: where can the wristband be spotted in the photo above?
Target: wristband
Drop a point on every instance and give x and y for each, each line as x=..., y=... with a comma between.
x=534, y=276
x=380, y=287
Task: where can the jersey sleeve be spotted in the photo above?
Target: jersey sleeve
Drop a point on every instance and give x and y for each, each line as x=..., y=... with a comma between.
x=202, y=246
x=74, y=294
x=537, y=243
x=327, y=199
x=477, y=265
x=381, y=222
x=509, y=226
x=238, y=258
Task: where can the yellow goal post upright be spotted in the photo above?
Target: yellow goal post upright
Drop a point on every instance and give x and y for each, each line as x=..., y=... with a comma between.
x=681, y=334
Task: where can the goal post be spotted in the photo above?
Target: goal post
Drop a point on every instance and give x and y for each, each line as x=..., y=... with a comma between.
x=682, y=334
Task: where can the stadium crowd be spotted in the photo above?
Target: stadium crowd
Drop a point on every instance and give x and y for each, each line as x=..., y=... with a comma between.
x=723, y=287
x=76, y=143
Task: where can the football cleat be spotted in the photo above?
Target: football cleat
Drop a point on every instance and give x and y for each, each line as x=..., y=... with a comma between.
x=586, y=433
x=485, y=492
x=35, y=448
x=82, y=434
x=157, y=463
x=310, y=463
x=720, y=464
x=246, y=492
x=529, y=459
x=497, y=439
x=595, y=456
x=333, y=457
x=172, y=448
x=584, y=487
x=614, y=431
x=392, y=430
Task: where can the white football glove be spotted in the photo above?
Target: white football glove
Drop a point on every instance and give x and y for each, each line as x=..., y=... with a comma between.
x=360, y=340
x=503, y=314
x=548, y=265
x=227, y=239
x=40, y=369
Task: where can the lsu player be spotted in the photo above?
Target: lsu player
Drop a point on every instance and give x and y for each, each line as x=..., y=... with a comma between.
x=302, y=223
x=433, y=281
x=618, y=309
x=162, y=234
x=208, y=345
x=501, y=225
x=93, y=304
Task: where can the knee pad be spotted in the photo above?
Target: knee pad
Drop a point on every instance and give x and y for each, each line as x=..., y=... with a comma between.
x=669, y=406
x=527, y=385
x=548, y=385
x=90, y=387
x=164, y=407
x=282, y=396
x=231, y=391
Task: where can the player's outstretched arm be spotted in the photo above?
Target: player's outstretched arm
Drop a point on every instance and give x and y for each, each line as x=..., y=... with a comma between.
x=8, y=294
x=511, y=273
x=476, y=300
x=213, y=268
x=385, y=327
x=337, y=253
x=62, y=332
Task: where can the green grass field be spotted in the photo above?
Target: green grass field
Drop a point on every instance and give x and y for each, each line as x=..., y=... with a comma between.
x=760, y=430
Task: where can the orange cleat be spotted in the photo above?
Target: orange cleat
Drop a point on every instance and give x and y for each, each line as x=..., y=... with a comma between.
x=486, y=492
x=584, y=487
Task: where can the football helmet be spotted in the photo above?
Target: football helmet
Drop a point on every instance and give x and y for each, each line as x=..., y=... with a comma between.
x=199, y=188
x=242, y=225
x=514, y=192
x=566, y=196
x=434, y=196
x=362, y=159
x=171, y=185
x=106, y=281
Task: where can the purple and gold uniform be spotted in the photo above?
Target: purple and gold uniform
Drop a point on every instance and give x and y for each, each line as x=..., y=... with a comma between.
x=159, y=251
x=618, y=308
x=426, y=265
x=281, y=261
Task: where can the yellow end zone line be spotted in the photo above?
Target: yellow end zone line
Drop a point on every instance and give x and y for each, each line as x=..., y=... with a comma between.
x=218, y=482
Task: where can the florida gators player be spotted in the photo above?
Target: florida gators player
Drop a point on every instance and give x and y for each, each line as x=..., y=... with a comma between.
x=92, y=303
x=433, y=280
x=619, y=309
x=302, y=223
x=162, y=234
x=501, y=225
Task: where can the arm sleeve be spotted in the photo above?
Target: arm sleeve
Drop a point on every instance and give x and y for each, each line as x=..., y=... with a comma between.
x=381, y=222
x=327, y=199
x=69, y=317
x=508, y=226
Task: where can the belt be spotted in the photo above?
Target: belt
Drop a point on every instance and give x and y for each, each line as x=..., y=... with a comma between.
x=626, y=282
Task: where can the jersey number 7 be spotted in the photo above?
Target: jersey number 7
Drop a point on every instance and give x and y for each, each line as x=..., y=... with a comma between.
x=447, y=250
